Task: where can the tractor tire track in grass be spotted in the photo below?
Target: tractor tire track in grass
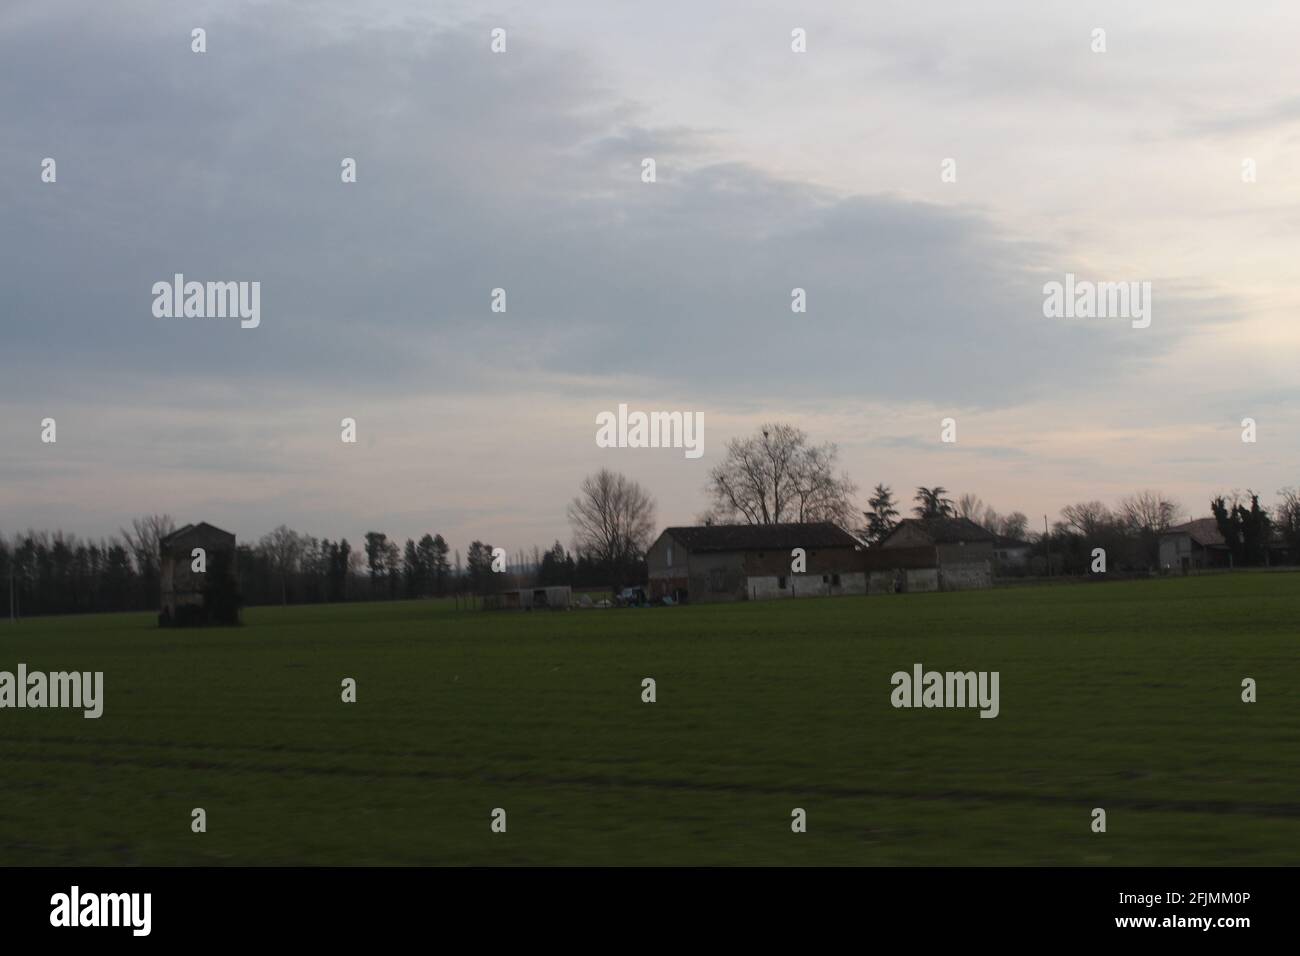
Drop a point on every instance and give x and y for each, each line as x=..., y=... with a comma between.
x=611, y=782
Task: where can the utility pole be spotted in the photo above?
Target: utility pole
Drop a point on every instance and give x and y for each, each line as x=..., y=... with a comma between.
x=1047, y=540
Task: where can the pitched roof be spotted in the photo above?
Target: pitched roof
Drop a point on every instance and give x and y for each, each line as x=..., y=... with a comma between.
x=945, y=530
x=189, y=529
x=1204, y=531
x=175, y=534
x=760, y=537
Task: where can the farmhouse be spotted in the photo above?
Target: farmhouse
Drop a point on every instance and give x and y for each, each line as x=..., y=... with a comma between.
x=754, y=562
x=932, y=554
x=197, y=577
x=1196, y=544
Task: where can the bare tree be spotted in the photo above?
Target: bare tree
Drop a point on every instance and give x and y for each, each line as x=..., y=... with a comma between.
x=613, y=518
x=1145, y=515
x=1088, y=518
x=991, y=520
x=1149, y=511
x=819, y=494
x=144, y=542
x=1014, y=525
x=356, y=569
x=1286, y=516
x=283, y=549
x=777, y=476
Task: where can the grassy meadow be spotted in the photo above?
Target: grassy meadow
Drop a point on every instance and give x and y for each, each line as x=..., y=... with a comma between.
x=1124, y=696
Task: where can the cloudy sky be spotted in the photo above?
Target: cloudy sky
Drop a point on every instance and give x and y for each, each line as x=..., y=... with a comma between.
x=522, y=170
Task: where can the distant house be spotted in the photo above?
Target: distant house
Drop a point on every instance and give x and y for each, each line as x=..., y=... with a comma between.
x=753, y=562
x=932, y=554
x=190, y=596
x=1194, y=545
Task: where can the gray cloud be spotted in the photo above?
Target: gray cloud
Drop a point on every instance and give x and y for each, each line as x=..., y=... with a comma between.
x=475, y=172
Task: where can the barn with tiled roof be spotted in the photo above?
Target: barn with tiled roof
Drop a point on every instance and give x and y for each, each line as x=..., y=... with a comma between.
x=709, y=563
x=933, y=554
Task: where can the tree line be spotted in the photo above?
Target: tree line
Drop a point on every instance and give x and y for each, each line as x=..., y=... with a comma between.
x=43, y=572
x=775, y=476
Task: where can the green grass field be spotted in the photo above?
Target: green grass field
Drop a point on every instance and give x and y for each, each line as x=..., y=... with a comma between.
x=1124, y=696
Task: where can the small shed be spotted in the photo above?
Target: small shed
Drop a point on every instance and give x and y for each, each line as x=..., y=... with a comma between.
x=197, y=577
x=552, y=597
